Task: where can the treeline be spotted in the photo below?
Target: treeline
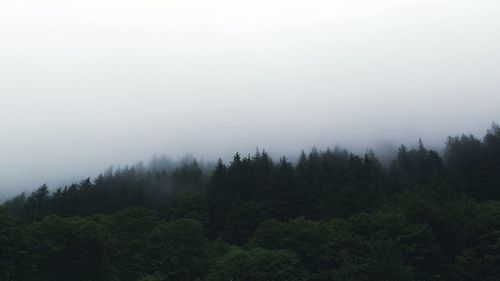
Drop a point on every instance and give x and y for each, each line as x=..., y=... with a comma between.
x=332, y=215
x=153, y=186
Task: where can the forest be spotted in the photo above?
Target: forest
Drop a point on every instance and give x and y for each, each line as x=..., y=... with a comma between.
x=331, y=215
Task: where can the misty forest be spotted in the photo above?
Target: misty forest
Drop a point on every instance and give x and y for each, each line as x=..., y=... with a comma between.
x=330, y=215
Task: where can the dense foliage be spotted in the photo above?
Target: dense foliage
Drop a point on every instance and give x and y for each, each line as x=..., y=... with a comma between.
x=332, y=215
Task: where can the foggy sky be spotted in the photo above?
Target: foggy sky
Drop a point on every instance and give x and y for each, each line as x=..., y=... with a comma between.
x=91, y=83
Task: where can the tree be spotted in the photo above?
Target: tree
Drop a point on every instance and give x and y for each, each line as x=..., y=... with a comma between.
x=15, y=262
x=258, y=265
x=382, y=263
x=131, y=229
x=72, y=249
x=37, y=204
x=219, y=197
x=178, y=248
x=189, y=205
x=242, y=221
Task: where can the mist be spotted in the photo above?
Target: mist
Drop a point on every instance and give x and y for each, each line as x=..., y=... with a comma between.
x=89, y=84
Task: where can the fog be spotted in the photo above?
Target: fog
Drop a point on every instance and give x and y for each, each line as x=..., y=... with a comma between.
x=88, y=84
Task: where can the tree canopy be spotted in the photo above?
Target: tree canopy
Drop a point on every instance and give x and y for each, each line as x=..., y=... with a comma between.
x=331, y=215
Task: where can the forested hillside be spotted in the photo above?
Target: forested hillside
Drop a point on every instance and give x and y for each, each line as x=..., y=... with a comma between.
x=332, y=215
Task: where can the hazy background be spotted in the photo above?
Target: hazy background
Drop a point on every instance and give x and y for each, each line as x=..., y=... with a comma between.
x=91, y=83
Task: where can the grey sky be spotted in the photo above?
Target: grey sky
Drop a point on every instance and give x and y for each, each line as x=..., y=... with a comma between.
x=89, y=83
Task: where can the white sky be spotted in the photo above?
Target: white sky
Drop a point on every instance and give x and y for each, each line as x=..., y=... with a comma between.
x=90, y=83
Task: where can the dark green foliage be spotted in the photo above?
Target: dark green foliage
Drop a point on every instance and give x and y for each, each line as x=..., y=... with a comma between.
x=219, y=200
x=178, y=249
x=15, y=262
x=382, y=262
x=475, y=163
x=332, y=215
x=188, y=174
x=481, y=256
x=242, y=221
x=258, y=265
x=132, y=230
x=189, y=205
x=37, y=205
x=72, y=249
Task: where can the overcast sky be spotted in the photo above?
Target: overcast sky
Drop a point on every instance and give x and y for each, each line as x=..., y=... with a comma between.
x=91, y=83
